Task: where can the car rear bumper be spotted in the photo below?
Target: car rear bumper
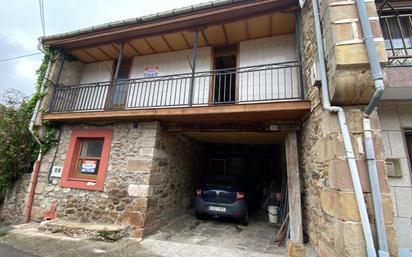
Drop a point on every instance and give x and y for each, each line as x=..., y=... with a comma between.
x=236, y=209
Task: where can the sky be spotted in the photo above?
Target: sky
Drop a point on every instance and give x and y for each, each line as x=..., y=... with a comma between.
x=21, y=27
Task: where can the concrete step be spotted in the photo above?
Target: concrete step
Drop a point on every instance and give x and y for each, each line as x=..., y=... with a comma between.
x=90, y=231
x=179, y=249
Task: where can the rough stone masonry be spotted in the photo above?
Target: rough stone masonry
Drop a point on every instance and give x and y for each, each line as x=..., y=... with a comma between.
x=147, y=181
x=330, y=214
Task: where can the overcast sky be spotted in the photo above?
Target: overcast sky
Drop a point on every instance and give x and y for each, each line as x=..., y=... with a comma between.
x=21, y=26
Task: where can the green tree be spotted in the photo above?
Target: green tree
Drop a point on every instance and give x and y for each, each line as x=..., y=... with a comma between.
x=18, y=150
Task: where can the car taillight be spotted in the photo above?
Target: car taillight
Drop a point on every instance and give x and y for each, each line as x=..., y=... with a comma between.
x=240, y=195
x=199, y=192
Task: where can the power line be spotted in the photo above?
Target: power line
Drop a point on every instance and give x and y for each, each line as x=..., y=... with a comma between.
x=18, y=57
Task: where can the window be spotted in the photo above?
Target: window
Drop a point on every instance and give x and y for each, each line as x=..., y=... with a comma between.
x=396, y=27
x=119, y=91
x=87, y=159
x=225, y=77
x=408, y=139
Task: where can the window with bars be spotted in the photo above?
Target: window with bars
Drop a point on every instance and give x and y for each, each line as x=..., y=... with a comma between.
x=396, y=27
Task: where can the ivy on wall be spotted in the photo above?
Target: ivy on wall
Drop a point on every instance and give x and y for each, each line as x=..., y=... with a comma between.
x=18, y=149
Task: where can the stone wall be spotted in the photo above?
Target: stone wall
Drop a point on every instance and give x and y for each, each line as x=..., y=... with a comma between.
x=69, y=75
x=172, y=180
x=126, y=189
x=394, y=116
x=345, y=52
x=150, y=179
x=330, y=214
x=13, y=207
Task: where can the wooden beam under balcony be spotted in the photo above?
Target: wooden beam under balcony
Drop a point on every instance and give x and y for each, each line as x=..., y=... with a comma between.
x=251, y=112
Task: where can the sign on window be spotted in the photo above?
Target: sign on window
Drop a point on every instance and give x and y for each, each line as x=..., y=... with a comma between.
x=89, y=167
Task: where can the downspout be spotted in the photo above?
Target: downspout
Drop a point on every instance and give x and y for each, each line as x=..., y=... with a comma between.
x=369, y=148
x=36, y=167
x=370, y=248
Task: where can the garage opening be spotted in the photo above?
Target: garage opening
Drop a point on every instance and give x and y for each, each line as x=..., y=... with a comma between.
x=258, y=162
x=257, y=171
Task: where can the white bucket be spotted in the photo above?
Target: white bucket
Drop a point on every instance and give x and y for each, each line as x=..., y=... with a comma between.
x=273, y=214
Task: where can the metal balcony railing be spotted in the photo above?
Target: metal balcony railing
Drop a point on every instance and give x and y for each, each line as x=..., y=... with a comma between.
x=397, y=31
x=269, y=82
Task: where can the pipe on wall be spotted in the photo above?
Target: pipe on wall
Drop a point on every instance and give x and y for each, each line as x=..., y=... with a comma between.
x=368, y=141
x=37, y=163
x=367, y=233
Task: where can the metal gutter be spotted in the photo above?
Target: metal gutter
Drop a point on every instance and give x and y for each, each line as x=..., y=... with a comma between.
x=369, y=148
x=367, y=233
x=37, y=163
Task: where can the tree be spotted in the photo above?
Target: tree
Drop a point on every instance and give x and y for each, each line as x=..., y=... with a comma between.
x=18, y=150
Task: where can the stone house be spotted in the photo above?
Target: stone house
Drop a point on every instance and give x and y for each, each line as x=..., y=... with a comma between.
x=146, y=106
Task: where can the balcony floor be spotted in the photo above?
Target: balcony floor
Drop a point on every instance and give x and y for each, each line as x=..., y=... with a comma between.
x=230, y=113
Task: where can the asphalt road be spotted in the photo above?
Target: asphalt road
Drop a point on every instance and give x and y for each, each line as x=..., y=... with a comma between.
x=9, y=251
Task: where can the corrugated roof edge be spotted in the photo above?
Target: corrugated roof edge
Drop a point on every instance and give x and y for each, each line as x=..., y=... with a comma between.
x=146, y=18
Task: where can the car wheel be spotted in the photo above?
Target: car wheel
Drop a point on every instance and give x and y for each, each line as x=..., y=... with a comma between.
x=199, y=216
x=245, y=219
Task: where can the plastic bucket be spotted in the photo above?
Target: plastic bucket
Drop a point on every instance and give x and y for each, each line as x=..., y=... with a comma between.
x=273, y=214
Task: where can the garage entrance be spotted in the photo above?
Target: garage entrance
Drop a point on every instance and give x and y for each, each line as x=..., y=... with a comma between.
x=258, y=168
x=260, y=162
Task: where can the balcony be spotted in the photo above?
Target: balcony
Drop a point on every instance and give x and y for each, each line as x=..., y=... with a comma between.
x=268, y=87
x=397, y=31
x=396, y=24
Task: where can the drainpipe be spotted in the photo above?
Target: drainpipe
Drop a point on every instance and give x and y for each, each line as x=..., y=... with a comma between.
x=370, y=248
x=369, y=149
x=37, y=163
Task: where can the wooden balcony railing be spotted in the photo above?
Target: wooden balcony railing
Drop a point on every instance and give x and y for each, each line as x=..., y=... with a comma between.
x=269, y=82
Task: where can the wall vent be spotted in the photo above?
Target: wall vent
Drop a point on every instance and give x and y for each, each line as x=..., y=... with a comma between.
x=393, y=167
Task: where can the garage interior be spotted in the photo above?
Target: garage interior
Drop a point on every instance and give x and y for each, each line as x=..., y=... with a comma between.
x=260, y=160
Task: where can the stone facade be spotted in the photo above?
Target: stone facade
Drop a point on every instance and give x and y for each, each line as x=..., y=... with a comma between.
x=125, y=194
x=150, y=179
x=70, y=74
x=172, y=180
x=394, y=117
x=330, y=215
x=13, y=207
x=345, y=52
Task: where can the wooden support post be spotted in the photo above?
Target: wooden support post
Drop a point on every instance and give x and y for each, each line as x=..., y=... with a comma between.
x=194, y=57
x=116, y=73
x=295, y=212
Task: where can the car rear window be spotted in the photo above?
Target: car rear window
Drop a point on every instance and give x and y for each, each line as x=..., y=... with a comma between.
x=222, y=182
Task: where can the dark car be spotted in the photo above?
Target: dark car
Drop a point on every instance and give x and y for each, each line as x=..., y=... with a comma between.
x=222, y=196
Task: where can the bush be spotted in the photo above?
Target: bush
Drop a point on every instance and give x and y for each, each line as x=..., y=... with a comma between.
x=18, y=150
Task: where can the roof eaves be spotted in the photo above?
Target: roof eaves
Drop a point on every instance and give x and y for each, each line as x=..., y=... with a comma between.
x=146, y=18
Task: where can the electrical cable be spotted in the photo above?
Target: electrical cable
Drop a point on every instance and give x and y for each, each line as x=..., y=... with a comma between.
x=18, y=57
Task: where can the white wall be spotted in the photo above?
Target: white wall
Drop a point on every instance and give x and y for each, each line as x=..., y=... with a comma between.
x=97, y=72
x=393, y=117
x=270, y=84
x=93, y=98
x=174, y=92
x=279, y=82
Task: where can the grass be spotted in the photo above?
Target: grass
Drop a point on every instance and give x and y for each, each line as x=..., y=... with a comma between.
x=3, y=233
